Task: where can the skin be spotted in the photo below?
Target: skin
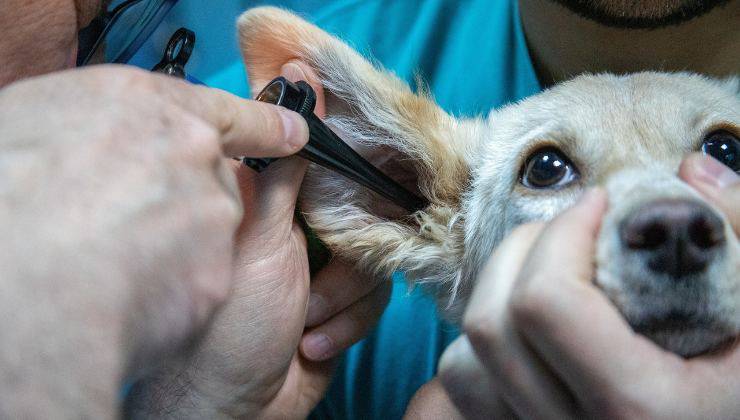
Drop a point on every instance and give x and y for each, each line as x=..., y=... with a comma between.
x=84, y=199
x=172, y=201
x=649, y=14
x=564, y=44
x=230, y=374
x=41, y=36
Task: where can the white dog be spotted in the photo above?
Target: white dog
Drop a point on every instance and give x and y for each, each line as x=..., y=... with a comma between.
x=666, y=258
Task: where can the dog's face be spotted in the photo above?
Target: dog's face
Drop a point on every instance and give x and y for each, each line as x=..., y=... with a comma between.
x=666, y=258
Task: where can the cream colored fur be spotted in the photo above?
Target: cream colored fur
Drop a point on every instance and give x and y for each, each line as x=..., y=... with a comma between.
x=627, y=133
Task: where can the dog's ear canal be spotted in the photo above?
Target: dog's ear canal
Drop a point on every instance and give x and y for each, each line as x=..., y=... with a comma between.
x=363, y=105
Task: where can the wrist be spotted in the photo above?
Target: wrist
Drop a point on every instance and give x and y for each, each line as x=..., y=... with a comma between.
x=178, y=393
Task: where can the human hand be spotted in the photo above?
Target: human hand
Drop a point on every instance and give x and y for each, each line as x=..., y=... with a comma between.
x=263, y=355
x=119, y=210
x=716, y=182
x=543, y=342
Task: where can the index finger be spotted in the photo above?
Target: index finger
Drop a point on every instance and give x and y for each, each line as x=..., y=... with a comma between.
x=247, y=127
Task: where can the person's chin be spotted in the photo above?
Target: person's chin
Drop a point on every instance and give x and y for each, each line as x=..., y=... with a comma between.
x=645, y=15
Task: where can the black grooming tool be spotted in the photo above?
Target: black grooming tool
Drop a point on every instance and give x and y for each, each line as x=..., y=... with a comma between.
x=326, y=148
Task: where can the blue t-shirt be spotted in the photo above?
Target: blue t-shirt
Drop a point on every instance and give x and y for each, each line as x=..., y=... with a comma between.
x=473, y=55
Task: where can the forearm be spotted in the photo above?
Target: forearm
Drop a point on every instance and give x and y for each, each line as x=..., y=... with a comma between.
x=171, y=393
x=180, y=391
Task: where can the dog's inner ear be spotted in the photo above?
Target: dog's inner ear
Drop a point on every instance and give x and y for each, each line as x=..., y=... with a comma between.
x=378, y=127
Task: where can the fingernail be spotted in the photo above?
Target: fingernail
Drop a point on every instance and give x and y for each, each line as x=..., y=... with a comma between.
x=714, y=173
x=317, y=307
x=292, y=72
x=317, y=347
x=293, y=128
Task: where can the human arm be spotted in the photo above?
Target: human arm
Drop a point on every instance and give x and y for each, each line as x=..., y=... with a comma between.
x=118, y=212
x=256, y=360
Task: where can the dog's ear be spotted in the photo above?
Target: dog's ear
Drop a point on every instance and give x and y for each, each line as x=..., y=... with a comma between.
x=366, y=105
x=380, y=115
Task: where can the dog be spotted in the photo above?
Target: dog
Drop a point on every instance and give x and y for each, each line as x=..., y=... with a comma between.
x=666, y=258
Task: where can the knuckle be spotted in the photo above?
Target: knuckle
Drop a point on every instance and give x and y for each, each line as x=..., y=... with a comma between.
x=526, y=303
x=449, y=377
x=216, y=287
x=205, y=137
x=128, y=80
x=98, y=74
x=452, y=379
x=233, y=212
x=208, y=206
x=451, y=360
x=198, y=138
x=531, y=299
x=229, y=184
x=483, y=331
x=223, y=210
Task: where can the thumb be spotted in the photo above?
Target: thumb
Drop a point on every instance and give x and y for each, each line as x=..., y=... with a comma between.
x=269, y=200
x=717, y=182
x=274, y=192
x=281, y=185
x=577, y=227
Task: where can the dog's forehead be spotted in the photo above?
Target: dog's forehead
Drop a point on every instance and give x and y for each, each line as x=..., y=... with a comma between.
x=638, y=116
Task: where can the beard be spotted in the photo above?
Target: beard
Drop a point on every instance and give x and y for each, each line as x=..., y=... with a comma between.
x=640, y=14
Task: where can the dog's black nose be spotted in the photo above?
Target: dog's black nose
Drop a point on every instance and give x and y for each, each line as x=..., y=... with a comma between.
x=677, y=236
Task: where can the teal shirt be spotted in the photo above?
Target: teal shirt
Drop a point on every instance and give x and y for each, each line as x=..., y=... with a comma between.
x=473, y=55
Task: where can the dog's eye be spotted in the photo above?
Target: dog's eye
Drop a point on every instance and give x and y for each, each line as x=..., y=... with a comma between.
x=723, y=146
x=548, y=168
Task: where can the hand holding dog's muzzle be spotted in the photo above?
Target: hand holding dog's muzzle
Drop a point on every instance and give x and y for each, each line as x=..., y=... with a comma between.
x=523, y=288
x=551, y=344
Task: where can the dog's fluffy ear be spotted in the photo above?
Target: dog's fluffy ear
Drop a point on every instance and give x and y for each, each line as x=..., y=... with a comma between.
x=380, y=115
